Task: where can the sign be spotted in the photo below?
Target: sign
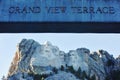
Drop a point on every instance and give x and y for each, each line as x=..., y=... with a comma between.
x=60, y=10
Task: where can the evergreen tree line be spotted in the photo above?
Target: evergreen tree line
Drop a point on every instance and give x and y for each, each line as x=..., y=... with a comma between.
x=39, y=76
x=115, y=75
x=79, y=73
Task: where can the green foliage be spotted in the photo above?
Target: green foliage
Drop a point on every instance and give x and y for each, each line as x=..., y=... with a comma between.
x=78, y=73
x=71, y=69
x=42, y=78
x=55, y=70
x=66, y=65
x=108, y=78
x=38, y=76
x=115, y=75
x=110, y=63
x=83, y=75
x=3, y=78
x=62, y=68
x=93, y=78
x=79, y=70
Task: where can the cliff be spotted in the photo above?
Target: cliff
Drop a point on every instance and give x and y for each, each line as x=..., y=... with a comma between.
x=34, y=61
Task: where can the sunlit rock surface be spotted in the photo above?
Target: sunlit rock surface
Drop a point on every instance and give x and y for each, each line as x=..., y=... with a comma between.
x=37, y=59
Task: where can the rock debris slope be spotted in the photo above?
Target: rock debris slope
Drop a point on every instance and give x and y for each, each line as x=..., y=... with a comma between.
x=34, y=61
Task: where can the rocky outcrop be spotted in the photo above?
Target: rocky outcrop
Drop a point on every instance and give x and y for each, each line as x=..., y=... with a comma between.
x=117, y=64
x=38, y=59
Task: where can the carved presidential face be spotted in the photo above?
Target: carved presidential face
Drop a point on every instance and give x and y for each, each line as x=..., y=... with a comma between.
x=62, y=54
x=48, y=48
x=73, y=55
x=45, y=51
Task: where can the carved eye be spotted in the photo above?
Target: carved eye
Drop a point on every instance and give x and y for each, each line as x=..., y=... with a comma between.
x=54, y=50
x=72, y=54
x=61, y=54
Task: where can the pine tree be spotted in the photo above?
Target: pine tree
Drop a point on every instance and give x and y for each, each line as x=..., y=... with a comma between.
x=62, y=68
x=78, y=73
x=71, y=69
x=93, y=77
x=42, y=78
x=3, y=78
x=84, y=75
x=79, y=70
x=55, y=70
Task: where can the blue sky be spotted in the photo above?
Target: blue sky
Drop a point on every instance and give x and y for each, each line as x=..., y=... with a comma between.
x=65, y=42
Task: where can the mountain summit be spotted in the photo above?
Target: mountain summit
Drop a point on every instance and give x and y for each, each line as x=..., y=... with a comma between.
x=34, y=61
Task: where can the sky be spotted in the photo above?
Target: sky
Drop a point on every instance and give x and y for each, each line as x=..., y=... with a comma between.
x=65, y=42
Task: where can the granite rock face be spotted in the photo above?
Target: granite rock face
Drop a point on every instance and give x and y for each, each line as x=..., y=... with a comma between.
x=38, y=59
